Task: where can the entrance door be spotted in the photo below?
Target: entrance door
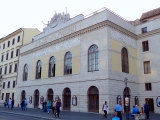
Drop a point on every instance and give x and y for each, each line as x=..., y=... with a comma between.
x=93, y=96
x=23, y=94
x=126, y=93
x=50, y=94
x=7, y=96
x=36, y=99
x=67, y=99
x=150, y=104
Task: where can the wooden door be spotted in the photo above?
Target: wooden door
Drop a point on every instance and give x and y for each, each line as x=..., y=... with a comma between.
x=36, y=99
x=150, y=104
x=93, y=103
x=67, y=99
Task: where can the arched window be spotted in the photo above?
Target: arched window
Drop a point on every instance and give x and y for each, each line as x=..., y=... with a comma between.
x=38, y=69
x=52, y=67
x=25, y=72
x=68, y=63
x=124, y=57
x=93, y=58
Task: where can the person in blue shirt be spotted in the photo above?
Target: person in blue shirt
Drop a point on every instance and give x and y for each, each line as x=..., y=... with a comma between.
x=134, y=111
x=118, y=109
x=116, y=117
x=146, y=110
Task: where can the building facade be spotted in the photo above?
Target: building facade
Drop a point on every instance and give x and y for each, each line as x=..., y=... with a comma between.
x=84, y=61
x=9, y=57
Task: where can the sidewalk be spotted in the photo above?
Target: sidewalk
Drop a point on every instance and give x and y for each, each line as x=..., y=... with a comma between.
x=64, y=115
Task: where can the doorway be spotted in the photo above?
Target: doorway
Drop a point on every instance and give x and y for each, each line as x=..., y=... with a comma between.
x=93, y=99
x=126, y=93
x=23, y=95
x=50, y=94
x=67, y=99
x=36, y=98
x=150, y=104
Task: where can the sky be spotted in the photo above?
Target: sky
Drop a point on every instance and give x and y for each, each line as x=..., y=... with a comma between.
x=15, y=14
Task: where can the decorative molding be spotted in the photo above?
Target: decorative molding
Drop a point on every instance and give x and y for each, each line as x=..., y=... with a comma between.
x=122, y=38
x=58, y=47
x=149, y=33
x=81, y=32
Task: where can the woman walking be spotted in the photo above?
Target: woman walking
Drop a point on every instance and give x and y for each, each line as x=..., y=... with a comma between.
x=48, y=106
x=58, y=107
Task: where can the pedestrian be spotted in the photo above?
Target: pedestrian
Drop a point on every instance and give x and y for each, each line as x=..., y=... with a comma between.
x=5, y=104
x=12, y=104
x=25, y=104
x=146, y=110
x=48, y=106
x=58, y=105
x=104, y=108
x=9, y=103
x=54, y=103
x=118, y=109
x=22, y=105
x=116, y=117
x=44, y=106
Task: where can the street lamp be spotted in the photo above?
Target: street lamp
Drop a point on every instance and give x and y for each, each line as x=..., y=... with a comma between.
x=126, y=99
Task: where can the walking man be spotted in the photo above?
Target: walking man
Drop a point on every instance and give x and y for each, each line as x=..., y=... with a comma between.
x=118, y=109
x=25, y=104
x=146, y=110
x=58, y=107
x=12, y=104
x=104, y=108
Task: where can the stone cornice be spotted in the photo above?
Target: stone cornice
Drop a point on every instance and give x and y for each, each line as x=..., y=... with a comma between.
x=150, y=33
x=11, y=34
x=106, y=23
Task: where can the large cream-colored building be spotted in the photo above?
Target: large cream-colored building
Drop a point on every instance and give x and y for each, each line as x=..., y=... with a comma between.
x=9, y=59
x=84, y=61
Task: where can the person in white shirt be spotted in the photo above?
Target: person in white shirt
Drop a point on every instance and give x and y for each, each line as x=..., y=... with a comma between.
x=25, y=104
x=9, y=103
x=104, y=108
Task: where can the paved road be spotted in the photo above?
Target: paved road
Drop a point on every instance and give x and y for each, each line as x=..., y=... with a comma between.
x=5, y=116
x=64, y=115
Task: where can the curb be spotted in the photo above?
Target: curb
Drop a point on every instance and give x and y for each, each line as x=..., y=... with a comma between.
x=44, y=118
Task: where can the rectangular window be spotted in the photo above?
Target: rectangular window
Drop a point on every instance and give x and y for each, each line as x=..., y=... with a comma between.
x=0, y=71
x=15, y=67
x=11, y=54
x=2, y=96
x=3, y=85
x=13, y=41
x=147, y=68
x=144, y=30
x=2, y=58
x=148, y=86
x=12, y=96
x=5, y=72
x=7, y=56
x=10, y=68
x=8, y=85
x=145, y=46
x=8, y=43
x=4, y=46
x=17, y=52
x=14, y=83
x=18, y=39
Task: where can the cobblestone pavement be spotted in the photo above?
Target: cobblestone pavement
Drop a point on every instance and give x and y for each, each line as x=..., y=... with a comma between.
x=64, y=115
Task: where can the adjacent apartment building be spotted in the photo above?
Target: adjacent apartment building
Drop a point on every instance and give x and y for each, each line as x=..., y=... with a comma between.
x=9, y=59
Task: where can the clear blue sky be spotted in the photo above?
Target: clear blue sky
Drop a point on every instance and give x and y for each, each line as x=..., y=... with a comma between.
x=29, y=13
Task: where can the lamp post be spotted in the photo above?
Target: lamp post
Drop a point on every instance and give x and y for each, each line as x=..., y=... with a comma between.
x=126, y=99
